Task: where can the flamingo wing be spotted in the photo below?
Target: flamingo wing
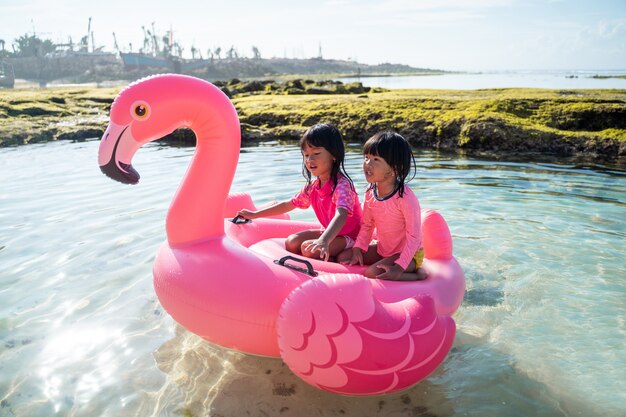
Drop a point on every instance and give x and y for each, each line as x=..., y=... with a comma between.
x=334, y=334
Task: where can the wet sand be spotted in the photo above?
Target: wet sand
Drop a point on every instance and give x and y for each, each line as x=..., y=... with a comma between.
x=219, y=382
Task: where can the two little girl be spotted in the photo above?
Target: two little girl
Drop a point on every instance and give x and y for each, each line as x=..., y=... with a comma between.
x=390, y=206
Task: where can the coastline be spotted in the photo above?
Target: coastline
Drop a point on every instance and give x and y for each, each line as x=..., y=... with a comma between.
x=590, y=124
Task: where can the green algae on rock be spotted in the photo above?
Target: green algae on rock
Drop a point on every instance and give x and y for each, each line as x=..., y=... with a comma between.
x=590, y=123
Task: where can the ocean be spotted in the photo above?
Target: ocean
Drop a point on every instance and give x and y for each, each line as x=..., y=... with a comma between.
x=556, y=79
x=541, y=331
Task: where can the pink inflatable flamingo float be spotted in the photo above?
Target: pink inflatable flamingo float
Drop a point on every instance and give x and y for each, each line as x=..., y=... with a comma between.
x=338, y=331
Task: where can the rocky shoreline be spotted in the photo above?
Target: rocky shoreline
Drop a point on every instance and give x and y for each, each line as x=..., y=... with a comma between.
x=587, y=123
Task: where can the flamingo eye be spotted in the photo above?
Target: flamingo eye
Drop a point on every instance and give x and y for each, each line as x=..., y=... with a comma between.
x=140, y=110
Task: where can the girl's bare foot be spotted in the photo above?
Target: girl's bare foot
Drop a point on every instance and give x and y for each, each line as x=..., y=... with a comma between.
x=421, y=274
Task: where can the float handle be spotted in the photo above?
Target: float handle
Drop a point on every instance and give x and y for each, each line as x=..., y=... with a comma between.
x=240, y=220
x=309, y=268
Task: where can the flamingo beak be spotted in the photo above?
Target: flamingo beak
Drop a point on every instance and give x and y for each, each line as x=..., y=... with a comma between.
x=117, y=148
x=123, y=173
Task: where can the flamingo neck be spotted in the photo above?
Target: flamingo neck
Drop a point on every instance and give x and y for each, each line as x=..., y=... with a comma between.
x=196, y=212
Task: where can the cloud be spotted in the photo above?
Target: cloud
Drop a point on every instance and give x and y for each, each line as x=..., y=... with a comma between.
x=611, y=29
x=411, y=13
x=338, y=3
x=427, y=18
x=566, y=44
x=442, y=5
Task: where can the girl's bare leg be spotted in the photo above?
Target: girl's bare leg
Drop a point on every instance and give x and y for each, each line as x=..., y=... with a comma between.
x=409, y=274
x=293, y=243
x=413, y=274
x=337, y=245
x=369, y=257
x=373, y=271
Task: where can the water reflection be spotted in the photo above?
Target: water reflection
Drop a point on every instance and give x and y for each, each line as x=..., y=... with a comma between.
x=70, y=348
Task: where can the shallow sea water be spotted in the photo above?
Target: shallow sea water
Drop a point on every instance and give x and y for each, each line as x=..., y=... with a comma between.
x=541, y=331
x=555, y=79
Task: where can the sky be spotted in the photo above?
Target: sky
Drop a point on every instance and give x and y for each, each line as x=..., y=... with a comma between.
x=439, y=34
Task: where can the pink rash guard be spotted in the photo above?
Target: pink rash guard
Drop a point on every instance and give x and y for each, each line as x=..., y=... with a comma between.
x=397, y=222
x=325, y=203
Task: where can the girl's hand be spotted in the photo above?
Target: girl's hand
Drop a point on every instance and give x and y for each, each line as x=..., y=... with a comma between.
x=391, y=272
x=357, y=257
x=247, y=214
x=319, y=245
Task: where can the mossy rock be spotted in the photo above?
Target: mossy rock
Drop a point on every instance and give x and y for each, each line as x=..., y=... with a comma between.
x=227, y=91
x=293, y=91
x=492, y=134
x=356, y=88
x=266, y=119
x=181, y=136
x=293, y=84
x=288, y=132
x=593, y=119
x=318, y=90
x=519, y=108
x=80, y=134
x=35, y=110
x=251, y=133
x=103, y=100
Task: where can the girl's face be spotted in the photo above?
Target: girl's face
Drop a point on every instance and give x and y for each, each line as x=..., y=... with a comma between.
x=376, y=169
x=318, y=161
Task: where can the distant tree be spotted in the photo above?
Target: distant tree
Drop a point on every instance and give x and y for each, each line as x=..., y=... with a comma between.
x=146, y=41
x=84, y=44
x=155, y=42
x=218, y=52
x=167, y=48
x=3, y=53
x=152, y=45
x=32, y=45
x=115, y=45
x=178, y=50
x=232, y=53
x=256, y=53
x=193, y=52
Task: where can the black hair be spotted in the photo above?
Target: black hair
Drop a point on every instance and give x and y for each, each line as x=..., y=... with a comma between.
x=324, y=135
x=396, y=151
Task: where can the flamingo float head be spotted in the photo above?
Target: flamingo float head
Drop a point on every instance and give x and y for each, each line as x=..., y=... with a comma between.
x=134, y=120
x=150, y=109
